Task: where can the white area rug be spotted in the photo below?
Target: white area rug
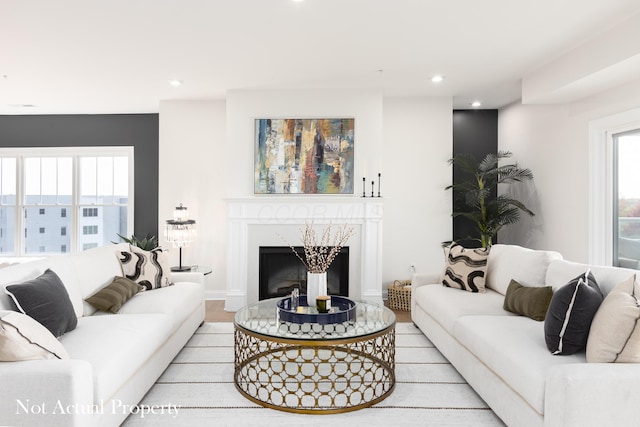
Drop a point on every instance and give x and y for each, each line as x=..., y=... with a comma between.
x=429, y=391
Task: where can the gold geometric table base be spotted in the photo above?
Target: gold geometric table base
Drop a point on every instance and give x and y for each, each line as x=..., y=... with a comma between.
x=315, y=376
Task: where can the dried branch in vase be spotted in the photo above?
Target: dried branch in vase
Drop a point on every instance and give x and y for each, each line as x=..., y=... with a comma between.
x=318, y=256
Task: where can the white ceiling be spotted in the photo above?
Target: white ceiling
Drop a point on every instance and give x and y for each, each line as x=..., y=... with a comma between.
x=116, y=56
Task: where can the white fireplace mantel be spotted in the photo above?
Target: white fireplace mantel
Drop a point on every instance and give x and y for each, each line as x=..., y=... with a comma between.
x=246, y=216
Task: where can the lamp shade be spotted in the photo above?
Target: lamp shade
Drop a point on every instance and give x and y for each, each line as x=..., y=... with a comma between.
x=180, y=230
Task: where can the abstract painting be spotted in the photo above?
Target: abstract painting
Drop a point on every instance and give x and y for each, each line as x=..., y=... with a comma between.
x=304, y=156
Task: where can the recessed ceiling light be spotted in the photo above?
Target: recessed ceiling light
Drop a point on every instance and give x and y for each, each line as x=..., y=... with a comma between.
x=476, y=104
x=175, y=83
x=437, y=78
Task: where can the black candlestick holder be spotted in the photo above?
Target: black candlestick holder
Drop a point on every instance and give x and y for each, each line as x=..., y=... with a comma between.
x=372, y=189
x=379, y=179
x=364, y=179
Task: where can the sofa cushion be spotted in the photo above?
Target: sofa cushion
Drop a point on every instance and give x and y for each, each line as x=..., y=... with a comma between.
x=446, y=305
x=566, y=326
x=561, y=271
x=465, y=268
x=177, y=301
x=532, y=302
x=615, y=332
x=22, y=338
x=45, y=299
x=116, y=346
x=97, y=267
x=527, y=266
x=514, y=348
x=148, y=268
x=114, y=295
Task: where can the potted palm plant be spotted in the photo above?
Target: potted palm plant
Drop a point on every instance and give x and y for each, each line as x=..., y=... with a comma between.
x=148, y=243
x=475, y=198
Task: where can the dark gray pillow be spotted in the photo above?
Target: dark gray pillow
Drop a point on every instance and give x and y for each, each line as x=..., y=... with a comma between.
x=571, y=311
x=46, y=300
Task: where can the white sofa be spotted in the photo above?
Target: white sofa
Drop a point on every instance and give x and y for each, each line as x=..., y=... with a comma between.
x=503, y=356
x=114, y=358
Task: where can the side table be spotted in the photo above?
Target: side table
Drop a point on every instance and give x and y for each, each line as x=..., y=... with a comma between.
x=196, y=274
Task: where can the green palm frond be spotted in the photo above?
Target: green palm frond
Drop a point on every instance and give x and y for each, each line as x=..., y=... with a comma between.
x=474, y=196
x=147, y=243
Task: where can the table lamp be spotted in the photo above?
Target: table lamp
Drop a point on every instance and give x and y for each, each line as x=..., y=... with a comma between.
x=180, y=231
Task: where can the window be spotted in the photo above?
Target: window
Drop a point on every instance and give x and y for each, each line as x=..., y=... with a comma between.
x=90, y=229
x=81, y=184
x=86, y=246
x=626, y=204
x=63, y=248
x=89, y=212
x=40, y=248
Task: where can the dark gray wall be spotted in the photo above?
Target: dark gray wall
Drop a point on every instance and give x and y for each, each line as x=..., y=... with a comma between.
x=137, y=130
x=474, y=132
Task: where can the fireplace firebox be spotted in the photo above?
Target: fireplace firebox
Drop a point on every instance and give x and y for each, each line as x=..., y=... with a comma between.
x=280, y=271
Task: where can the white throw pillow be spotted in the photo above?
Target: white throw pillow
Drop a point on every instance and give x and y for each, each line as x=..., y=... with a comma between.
x=615, y=333
x=147, y=268
x=23, y=338
x=465, y=268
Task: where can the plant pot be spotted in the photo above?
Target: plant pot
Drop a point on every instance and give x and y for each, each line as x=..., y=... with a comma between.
x=316, y=285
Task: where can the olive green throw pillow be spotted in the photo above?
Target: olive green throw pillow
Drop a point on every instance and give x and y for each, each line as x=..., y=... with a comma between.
x=112, y=297
x=532, y=302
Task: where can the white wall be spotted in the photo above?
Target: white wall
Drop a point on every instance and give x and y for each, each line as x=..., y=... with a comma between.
x=553, y=141
x=192, y=172
x=418, y=141
x=206, y=157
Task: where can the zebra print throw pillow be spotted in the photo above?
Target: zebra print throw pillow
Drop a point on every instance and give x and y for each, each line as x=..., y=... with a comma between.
x=147, y=268
x=465, y=268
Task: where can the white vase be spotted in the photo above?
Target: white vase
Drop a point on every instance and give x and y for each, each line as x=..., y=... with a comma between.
x=316, y=285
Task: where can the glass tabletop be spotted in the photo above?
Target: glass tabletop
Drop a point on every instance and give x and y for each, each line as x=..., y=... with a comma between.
x=263, y=319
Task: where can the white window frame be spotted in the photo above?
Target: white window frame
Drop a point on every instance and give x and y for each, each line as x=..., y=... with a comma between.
x=75, y=207
x=601, y=167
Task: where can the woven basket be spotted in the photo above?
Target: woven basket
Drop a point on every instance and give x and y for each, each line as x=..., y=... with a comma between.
x=399, y=295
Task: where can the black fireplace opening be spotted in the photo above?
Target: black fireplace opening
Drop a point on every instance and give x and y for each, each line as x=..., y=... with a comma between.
x=280, y=271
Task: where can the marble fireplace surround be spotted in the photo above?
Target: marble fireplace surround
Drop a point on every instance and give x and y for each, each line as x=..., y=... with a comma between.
x=266, y=221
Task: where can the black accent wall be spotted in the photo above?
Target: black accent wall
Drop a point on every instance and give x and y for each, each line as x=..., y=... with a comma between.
x=137, y=130
x=474, y=132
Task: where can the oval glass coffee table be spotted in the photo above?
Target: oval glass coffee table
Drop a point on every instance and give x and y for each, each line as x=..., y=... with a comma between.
x=314, y=368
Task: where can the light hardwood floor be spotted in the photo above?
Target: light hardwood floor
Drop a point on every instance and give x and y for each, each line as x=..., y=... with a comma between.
x=215, y=313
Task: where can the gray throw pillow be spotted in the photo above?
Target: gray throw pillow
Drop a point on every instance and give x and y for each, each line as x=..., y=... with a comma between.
x=532, y=302
x=113, y=296
x=46, y=300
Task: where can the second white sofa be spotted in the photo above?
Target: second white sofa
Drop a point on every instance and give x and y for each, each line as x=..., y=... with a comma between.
x=504, y=357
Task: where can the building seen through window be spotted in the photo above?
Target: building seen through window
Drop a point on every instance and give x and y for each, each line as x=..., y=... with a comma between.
x=70, y=200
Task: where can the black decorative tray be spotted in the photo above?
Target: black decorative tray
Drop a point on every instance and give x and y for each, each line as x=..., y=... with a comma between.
x=342, y=310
